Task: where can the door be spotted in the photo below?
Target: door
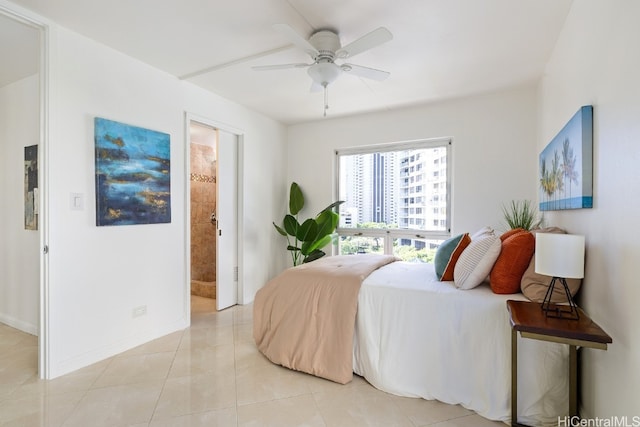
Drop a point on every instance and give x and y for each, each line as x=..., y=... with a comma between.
x=227, y=220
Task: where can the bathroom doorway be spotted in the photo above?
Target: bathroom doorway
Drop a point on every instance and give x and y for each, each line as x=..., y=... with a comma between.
x=213, y=219
x=203, y=156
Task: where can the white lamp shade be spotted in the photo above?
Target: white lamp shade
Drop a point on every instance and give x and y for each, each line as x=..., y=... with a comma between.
x=560, y=255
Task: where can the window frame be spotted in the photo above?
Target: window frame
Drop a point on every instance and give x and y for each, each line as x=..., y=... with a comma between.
x=389, y=234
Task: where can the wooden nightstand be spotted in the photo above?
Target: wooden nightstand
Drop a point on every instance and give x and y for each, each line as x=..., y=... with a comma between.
x=529, y=319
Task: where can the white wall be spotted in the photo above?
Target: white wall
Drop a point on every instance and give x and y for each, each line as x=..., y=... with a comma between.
x=19, y=248
x=596, y=62
x=97, y=275
x=493, y=147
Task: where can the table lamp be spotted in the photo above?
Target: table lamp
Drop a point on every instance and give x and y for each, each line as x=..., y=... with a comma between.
x=560, y=256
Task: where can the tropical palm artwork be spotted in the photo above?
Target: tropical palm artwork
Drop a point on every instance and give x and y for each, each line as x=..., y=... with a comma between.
x=133, y=180
x=566, y=171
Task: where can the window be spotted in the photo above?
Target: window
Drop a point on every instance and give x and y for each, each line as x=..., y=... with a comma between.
x=379, y=215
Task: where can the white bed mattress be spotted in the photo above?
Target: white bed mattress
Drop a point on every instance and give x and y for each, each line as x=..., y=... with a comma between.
x=418, y=337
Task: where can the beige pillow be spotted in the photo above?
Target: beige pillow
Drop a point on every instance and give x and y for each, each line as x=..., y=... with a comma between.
x=534, y=285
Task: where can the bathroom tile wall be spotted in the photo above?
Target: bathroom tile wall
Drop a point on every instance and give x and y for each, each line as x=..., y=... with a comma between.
x=203, y=203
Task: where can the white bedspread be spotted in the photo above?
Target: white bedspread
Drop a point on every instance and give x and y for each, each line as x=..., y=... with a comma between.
x=418, y=337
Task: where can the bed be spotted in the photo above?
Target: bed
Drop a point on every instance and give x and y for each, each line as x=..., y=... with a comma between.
x=409, y=334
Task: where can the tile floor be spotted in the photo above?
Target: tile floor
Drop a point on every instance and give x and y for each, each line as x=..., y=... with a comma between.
x=210, y=374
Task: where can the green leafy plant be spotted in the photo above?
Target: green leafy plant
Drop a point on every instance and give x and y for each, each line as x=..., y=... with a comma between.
x=305, y=240
x=521, y=214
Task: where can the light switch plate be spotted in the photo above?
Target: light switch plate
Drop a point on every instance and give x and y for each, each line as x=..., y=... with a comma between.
x=77, y=201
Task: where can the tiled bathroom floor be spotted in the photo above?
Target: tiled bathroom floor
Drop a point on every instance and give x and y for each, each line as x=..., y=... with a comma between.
x=210, y=374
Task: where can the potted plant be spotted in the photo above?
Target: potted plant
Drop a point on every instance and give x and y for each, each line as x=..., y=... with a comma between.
x=305, y=240
x=521, y=214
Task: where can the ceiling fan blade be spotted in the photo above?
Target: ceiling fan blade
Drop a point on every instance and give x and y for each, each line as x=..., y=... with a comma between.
x=366, y=72
x=368, y=41
x=296, y=39
x=280, y=66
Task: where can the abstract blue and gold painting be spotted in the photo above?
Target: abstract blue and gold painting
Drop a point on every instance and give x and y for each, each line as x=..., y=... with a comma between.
x=133, y=179
x=565, y=179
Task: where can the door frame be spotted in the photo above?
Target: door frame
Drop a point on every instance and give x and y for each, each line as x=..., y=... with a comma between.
x=43, y=184
x=189, y=118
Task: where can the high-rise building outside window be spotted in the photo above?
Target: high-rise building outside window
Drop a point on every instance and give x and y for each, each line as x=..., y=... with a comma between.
x=397, y=198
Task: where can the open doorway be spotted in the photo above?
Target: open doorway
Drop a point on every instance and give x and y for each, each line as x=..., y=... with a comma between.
x=23, y=311
x=213, y=215
x=203, y=159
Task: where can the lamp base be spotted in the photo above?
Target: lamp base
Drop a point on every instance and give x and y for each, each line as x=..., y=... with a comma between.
x=569, y=312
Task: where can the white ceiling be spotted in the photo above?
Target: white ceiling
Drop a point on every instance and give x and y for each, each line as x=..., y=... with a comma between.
x=441, y=48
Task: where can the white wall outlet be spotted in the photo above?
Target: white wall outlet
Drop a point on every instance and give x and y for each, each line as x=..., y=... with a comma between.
x=139, y=311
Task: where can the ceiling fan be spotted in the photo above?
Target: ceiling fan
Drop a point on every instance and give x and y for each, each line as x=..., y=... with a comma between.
x=324, y=48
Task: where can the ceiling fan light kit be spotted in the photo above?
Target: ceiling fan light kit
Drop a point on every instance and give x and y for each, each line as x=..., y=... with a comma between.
x=324, y=47
x=324, y=73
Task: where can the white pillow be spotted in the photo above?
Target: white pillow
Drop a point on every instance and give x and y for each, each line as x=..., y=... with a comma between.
x=476, y=261
x=484, y=231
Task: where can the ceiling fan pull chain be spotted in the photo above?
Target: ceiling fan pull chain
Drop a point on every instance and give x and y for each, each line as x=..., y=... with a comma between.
x=326, y=99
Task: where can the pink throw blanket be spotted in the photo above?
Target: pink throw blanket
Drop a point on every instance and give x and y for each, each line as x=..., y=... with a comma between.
x=304, y=318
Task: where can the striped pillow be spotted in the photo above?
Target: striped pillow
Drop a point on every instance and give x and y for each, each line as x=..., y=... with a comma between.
x=476, y=261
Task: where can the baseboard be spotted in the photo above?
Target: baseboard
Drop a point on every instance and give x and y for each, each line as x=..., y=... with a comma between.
x=19, y=324
x=104, y=352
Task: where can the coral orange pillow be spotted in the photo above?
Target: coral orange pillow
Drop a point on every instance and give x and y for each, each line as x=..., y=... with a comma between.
x=514, y=258
x=510, y=233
